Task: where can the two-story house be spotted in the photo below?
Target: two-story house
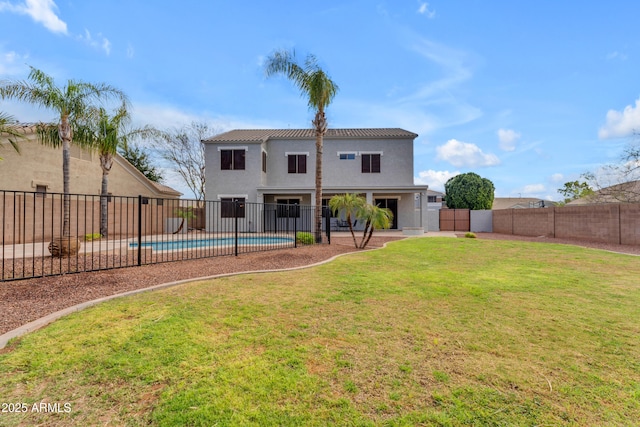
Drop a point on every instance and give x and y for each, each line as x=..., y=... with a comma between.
x=277, y=166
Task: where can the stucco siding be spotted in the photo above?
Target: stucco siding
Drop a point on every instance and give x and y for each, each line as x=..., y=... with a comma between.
x=37, y=164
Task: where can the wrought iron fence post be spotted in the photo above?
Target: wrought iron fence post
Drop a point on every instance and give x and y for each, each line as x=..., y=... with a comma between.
x=295, y=230
x=235, y=215
x=327, y=225
x=139, y=230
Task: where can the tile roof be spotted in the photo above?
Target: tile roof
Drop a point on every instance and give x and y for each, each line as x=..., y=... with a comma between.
x=257, y=135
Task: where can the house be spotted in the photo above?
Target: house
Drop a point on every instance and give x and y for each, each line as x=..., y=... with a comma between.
x=38, y=168
x=277, y=166
x=626, y=192
x=519, y=203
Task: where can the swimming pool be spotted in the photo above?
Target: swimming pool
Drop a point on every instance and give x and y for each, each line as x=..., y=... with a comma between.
x=176, y=245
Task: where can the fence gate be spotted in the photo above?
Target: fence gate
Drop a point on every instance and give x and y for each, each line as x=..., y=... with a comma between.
x=455, y=219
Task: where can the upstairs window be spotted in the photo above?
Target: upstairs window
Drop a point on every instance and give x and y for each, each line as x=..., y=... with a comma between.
x=431, y=199
x=371, y=163
x=297, y=163
x=347, y=156
x=264, y=161
x=232, y=159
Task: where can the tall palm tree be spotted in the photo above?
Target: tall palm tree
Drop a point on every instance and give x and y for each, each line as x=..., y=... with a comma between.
x=315, y=85
x=72, y=103
x=8, y=128
x=111, y=133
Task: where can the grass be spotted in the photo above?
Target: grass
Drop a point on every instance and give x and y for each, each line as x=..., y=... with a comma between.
x=427, y=331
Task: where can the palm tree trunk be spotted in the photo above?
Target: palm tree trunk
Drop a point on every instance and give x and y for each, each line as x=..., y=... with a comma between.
x=366, y=242
x=353, y=234
x=320, y=125
x=106, y=161
x=104, y=204
x=66, y=136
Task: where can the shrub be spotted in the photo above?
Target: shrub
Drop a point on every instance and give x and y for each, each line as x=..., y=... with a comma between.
x=305, y=238
x=90, y=237
x=470, y=235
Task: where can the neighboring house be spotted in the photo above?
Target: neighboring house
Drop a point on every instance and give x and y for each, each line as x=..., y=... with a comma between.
x=627, y=192
x=38, y=168
x=277, y=166
x=519, y=203
x=435, y=200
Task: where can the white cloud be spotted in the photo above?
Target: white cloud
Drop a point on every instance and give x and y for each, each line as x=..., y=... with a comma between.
x=102, y=42
x=41, y=11
x=12, y=63
x=557, y=177
x=508, y=139
x=461, y=154
x=621, y=124
x=434, y=179
x=130, y=51
x=617, y=55
x=533, y=189
x=424, y=10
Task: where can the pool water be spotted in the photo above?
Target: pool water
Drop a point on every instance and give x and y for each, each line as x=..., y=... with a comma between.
x=172, y=245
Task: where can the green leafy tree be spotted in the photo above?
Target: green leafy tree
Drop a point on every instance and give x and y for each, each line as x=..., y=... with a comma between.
x=8, y=127
x=139, y=158
x=469, y=191
x=315, y=85
x=573, y=190
x=72, y=103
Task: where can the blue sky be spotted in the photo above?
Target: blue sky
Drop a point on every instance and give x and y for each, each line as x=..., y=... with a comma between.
x=528, y=94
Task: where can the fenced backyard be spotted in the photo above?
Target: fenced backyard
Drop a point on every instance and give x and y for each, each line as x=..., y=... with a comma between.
x=116, y=231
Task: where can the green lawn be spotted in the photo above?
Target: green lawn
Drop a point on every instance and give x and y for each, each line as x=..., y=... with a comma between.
x=425, y=332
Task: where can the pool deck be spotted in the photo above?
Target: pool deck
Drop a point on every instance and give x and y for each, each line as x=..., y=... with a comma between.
x=108, y=246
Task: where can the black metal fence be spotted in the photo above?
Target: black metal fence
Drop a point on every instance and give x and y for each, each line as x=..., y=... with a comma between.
x=46, y=234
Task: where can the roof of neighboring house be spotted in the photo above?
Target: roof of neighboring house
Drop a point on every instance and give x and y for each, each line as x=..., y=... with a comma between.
x=431, y=192
x=517, y=203
x=260, y=135
x=626, y=192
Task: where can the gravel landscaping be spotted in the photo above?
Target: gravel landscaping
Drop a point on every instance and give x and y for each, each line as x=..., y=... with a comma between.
x=26, y=300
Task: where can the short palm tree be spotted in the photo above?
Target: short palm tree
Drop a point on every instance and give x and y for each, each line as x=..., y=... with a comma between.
x=71, y=103
x=350, y=204
x=374, y=217
x=319, y=89
x=8, y=128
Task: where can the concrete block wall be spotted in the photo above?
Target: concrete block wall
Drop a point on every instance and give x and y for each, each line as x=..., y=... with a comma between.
x=607, y=223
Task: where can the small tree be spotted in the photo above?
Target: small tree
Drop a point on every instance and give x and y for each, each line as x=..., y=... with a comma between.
x=573, y=190
x=184, y=151
x=186, y=214
x=618, y=182
x=139, y=158
x=349, y=204
x=373, y=217
x=469, y=191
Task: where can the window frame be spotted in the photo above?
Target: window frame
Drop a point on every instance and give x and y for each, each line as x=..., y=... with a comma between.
x=371, y=162
x=233, y=158
x=297, y=163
